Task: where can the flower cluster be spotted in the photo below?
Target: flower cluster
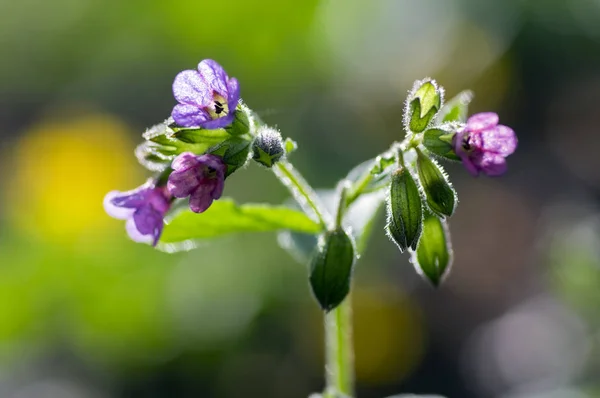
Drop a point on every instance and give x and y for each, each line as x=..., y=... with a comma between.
x=208, y=99
x=197, y=149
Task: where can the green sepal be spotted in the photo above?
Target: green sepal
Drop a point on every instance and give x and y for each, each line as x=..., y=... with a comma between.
x=424, y=102
x=166, y=140
x=404, y=210
x=234, y=151
x=438, y=141
x=439, y=193
x=456, y=109
x=331, y=268
x=242, y=122
x=433, y=257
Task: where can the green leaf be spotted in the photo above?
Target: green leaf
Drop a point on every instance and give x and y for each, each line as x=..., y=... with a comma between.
x=226, y=217
x=433, y=257
x=456, y=110
x=440, y=195
x=331, y=268
x=404, y=210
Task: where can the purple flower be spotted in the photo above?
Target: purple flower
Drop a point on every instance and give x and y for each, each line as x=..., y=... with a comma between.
x=207, y=97
x=199, y=177
x=144, y=209
x=483, y=144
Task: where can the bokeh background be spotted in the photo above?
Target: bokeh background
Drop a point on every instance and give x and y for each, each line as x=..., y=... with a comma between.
x=86, y=313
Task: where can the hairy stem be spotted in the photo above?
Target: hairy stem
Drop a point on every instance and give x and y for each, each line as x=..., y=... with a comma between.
x=339, y=365
x=301, y=191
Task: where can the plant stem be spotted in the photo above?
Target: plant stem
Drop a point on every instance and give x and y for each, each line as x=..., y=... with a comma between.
x=301, y=191
x=357, y=189
x=339, y=365
x=339, y=351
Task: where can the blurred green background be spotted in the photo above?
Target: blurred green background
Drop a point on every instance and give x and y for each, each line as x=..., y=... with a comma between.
x=84, y=312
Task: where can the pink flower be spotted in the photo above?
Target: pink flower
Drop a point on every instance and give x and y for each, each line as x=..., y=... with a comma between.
x=483, y=144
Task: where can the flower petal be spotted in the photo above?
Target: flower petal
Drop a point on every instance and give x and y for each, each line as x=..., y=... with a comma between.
x=201, y=199
x=492, y=164
x=190, y=88
x=148, y=221
x=184, y=161
x=233, y=94
x=482, y=121
x=218, y=123
x=189, y=115
x=215, y=77
x=136, y=235
x=182, y=183
x=119, y=205
x=501, y=140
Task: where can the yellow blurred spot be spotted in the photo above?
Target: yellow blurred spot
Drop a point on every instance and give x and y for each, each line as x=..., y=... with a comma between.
x=62, y=170
x=389, y=337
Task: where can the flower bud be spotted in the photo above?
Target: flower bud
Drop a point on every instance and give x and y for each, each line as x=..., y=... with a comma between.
x=331, y=268
x=441, y=197
x=424, y=102
x=433, y=256
x=404, y=210
x=268, y=147
x=439, y=141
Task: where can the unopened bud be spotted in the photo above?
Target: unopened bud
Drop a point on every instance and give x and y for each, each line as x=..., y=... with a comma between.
x=433, y=257
x=268, y=147
x=331, y=268
x=424, y=102
x=441, y=197
x=404, y=210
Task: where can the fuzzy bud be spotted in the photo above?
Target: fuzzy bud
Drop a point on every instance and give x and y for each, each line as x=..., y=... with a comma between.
x=433, y=257
x=404, y=210
x=331, y=268
x=268, y=147
x=441, y=197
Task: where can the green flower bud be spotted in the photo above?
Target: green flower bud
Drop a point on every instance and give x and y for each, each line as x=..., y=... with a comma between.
x=404, y=210
x=424, y=102
x=433, y=257
x=331, y=268
x=439, y=141
x=441, y=197
x=268, y=146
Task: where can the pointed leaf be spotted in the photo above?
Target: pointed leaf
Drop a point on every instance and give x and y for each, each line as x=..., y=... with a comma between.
x=226, y=217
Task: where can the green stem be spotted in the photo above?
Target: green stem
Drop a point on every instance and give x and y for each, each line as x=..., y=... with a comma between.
x=339, y=350
x=358, y=188
x=339, y=366
x=301, y=191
